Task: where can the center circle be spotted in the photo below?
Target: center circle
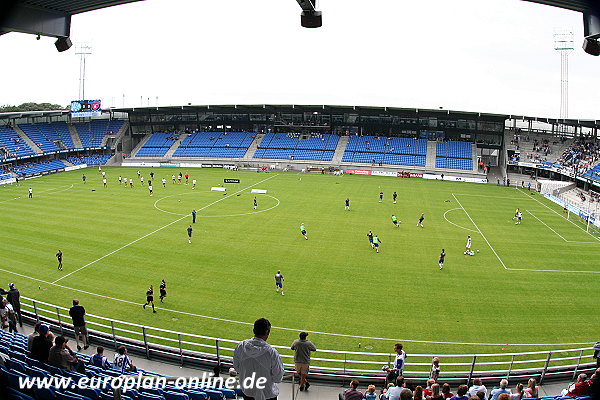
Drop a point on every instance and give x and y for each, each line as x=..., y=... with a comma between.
x=217, y=200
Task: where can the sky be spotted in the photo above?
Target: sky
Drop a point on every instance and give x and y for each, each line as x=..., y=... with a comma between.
x=494, y=56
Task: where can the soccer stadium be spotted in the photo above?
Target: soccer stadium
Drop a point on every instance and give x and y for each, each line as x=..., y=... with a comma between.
x=469, y=237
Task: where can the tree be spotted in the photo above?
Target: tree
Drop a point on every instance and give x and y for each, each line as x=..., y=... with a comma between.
x=32, y=107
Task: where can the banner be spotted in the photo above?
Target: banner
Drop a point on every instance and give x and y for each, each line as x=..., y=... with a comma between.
x=168, y=164
x=74, y=167
x=405, y=174
x=358, y=172
x=583, y=215
x=231, y=181
x=141, y=164
x=384, y=173
x=455, y=178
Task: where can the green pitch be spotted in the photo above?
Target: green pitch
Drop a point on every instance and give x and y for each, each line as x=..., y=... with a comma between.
x=522, y=287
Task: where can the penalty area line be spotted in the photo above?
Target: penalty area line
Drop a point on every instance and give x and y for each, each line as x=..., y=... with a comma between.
x=156, y=230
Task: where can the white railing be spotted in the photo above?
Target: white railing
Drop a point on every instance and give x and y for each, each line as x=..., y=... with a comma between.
x=202, y=350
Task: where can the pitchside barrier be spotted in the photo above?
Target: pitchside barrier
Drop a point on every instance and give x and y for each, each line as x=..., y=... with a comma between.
x=554, y=363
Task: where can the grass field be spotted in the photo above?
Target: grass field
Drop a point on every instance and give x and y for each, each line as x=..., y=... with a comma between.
x=535, y=283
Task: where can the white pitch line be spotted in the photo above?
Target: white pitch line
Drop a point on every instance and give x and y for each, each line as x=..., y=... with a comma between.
x=37, y=193
x=462, y=227
x=290, y=329
x=487, y=196
x=156, y=230
x=559, y=235
x=555, y=270
x=481, y=233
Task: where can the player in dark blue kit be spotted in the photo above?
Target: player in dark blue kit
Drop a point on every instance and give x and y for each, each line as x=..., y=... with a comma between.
x=193, y=216
x=59, y=258
x=347, y=207
x=163, y=290
x=421, y=218
x=189, y=231
x=442, y=256
x=255, y=203
x=394, y=196
x=370, y=236
x=150, y=297
x=380, y=197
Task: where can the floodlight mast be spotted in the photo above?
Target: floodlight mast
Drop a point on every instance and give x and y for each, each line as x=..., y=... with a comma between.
x=564, y=43
x=82, y=50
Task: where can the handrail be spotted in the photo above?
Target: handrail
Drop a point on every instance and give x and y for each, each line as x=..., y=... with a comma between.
x=328, y=363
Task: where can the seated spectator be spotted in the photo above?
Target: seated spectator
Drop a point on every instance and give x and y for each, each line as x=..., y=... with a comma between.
x=532, y=389
x=518, y=393
x=122, y=361
x=406, y=394
x=41, y=344
x=477, y=386
x=370, y=393
x=446, y=391
x=436, y=392
x=579, y=388
x=394, y=392
x=63, y=357
x=351, y=393
x=595, y=385
x=427, y=390
x=461, y=393
x=33, y=335
x=418, y=393
x=495, y=393
x=98, y=359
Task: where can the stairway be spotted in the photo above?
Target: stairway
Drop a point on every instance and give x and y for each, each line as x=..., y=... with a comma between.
x=431, y=155
x=339, y=150
x=474, y=152
x=27, y=140
x=176, y=145
x=253, y=146
x=75, y=136
x=140, y=144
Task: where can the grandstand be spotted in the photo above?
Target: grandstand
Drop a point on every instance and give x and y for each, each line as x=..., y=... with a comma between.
x=215, y=144
x=454, y=155
x=92, y=159
x=295, y=146
x=49, y=136
x=157, y=145
x=393, y=150
x=39, y=167
x=92, y=133
x=12, y=145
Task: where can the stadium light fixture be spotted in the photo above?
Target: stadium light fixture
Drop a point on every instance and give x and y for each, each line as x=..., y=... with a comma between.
x=591, y=30
x=310, y=17
x=63, y=44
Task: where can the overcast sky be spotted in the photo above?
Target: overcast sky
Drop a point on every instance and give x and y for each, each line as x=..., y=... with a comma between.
x=476, y=55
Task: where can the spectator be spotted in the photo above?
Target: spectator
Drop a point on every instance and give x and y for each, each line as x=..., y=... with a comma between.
x=63, y=357
x=33, y=335
x=461, y=393
x=98, y=359
x=518, y=394
x=398, y=367
x=481, y=395
x=8, y=316
x=394, y=392
x=579, y=388
x=255, y=355
x=406, y=394
x=477, y=386
x=495, y=393
x=370, y=393
x=427, y=390
x=435, y=369
x=41, y=344
x=122, y=361
x=418, y=393
x=302, y=348
x=77, y=313
x=595, y=385
x=446, y=391
x=14, y=298
x=504, y=396
x=436, y=392
x=351, y=393
x=532, y=389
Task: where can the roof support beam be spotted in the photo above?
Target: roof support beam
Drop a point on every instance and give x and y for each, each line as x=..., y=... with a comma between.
x=35, y=20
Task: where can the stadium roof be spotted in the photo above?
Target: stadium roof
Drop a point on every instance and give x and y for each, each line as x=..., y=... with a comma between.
x=575, y=5
x=73, y=6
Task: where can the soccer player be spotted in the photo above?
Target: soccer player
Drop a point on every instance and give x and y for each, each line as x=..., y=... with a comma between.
x=163, y=290
x=255, y=203
x=103, y=174
x=395, y=221
x=99, y=168
x=519, y=217
x=150, y=297
x=84, y=178
x=104, y=181
x=139, y=173
x=193, y=216
x=394, y=196
x=125, y=181
x=347, y=207
x=164, y=182
x=376, y=242
x=142, y=179
x=442, y=256
x=303, y=231
x=179, y=177
x=130, y=182
x=370, y=237
x=468, y=246
x=421, y=218
x=152, y=176
x=193, y=184
x=279, y=282
x=150, y=188
x=173, y=178
x=516, y=213
x=30, y=193
x=380, y=197
x=120, y=179
x=189, y=231
x=187, y=177
x=59, y=258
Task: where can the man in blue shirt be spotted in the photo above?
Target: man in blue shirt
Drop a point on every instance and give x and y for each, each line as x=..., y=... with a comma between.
x=193, y=216
x=98, y=359
x=498, y=391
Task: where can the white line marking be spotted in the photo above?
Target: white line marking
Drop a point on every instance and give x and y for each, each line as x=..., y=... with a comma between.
x=482, y=235
x=559, y=235
x=487, y=196
x=462, y=227
x=137, y=304
x=37, y=193
x=554, y=270
x=215, y=216
x=154, y=231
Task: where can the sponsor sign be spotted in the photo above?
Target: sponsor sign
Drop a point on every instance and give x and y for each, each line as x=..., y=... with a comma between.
x=231, y=181
x=358, y=172
x=384, y=173
x=168, y=164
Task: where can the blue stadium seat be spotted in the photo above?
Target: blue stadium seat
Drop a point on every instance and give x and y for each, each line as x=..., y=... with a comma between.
x=169, y=395
x=196, y=395
x=44, y=393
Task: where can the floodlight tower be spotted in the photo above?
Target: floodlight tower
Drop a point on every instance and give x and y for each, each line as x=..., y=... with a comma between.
x=563, y=43
x=82, y=50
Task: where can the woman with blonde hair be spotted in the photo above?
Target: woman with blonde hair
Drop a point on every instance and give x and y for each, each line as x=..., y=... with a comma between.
x=370, y=393
x=532, y=389
x=436, y=392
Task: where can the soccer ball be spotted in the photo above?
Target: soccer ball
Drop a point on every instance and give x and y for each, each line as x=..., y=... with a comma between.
x=478, y=251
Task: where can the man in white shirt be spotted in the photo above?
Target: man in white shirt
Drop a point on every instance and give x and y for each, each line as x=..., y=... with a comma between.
x=398, y=367
x=258, y=359
x=477, y=387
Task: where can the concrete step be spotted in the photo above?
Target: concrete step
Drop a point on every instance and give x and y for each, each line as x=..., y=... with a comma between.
x=27, y=139
x=75, y=136
x=339, y=150
x=431, y=154
x=140, y=144
x=176, y=145
x=253, y=146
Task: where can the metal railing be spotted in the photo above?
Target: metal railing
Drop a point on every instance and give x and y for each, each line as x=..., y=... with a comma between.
x=327, y=365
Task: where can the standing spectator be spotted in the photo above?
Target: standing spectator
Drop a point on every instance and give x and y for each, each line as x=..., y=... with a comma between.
x=532, y=389
x=3, y=313
x=302, y=348
x=99, y=360
x=41, y=344
x=398, y=367
x=498, y=391
x=10, y=316
x=14, y=298
x=256, y=356
x=122, y=361
x=477, y=386
x=461, y=393
x=406, y=394
x=351, y=393
x=435, y=363
x=35, y=333
x=63, y=357
x=77, y=313
x=597, y=353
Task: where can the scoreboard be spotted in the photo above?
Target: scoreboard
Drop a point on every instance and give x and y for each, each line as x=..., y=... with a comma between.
x=86, y=108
